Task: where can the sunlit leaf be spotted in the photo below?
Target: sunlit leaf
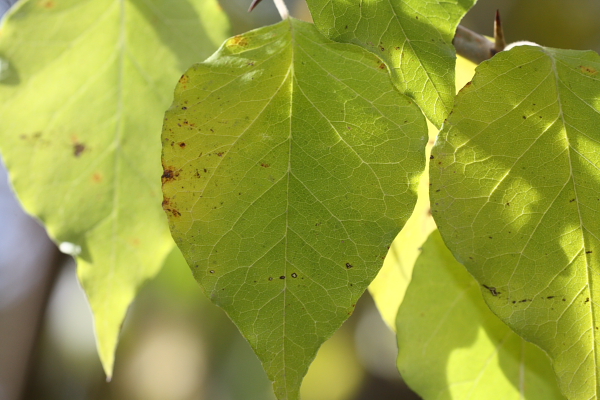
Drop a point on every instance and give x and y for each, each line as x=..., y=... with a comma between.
x=453, y=347
x=515, y=182
x=81, y=97
x=414, y=38
x=286, y=177
x=388, y=288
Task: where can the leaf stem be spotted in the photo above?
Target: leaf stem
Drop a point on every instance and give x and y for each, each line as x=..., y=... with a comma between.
x=282, y=8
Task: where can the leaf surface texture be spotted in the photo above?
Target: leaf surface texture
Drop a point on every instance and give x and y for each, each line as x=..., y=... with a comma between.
x=83, y=88
x=414, y=37
x=286, y=178
x=515, y=182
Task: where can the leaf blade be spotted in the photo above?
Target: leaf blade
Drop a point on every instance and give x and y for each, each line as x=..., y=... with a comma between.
x=86, y=87
x=457, y=348
x=531, y=208
x=275, y=197
x=414, y=38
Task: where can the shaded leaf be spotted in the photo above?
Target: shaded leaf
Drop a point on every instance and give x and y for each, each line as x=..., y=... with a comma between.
x=414, y=38
x=286, y=178
x=81, y=102
x=453, y=347
x=515, y=184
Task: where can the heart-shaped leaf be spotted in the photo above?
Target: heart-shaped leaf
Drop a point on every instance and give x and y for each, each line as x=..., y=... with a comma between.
x=84, y=86
x=286, y=178
x=515, y=178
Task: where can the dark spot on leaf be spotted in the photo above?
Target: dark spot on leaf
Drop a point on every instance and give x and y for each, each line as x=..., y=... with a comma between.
x=348, y=265
x=282, y=277
x=587, y=299
x=523, y=301
x=431, y=157
x=589, y=252
x=490, y=237
x=184, y=108
x=251, y=63
x=550, y=297
x=588, y=70
x=184, y=79
x=524, y=117
x=514, y=302
x=220, y=154
x=78, y=148
x=294, y=275
x=182, y=145
x=212, y=271
x=382, y=66
x=169, y=174
x=492, y=290
x=564, y=299
x=507, y=204
x=265, y=165
x=270, y=278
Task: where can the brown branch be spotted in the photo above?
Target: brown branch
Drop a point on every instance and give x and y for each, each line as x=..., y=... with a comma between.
x=477, y=48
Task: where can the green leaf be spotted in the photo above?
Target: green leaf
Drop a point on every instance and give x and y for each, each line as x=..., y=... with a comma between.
x=413, y=37
x=286, y=178
x=81, y=103
x=515, y=180
x=389, y=287
x=451, y=346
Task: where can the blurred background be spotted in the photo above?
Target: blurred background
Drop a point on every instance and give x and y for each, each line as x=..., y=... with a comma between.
x=175, y=344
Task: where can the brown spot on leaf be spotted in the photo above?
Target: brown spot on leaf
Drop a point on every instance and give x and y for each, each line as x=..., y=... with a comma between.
x=97, y=177
x=588, y=70
x=47, y=4
x=382, y=66
x=184, y=79
x=265, y=165
x=78, y=148
x=238, y=40
x=182, y=145
x=169, y=174
x=220, y=154
x=348, y=265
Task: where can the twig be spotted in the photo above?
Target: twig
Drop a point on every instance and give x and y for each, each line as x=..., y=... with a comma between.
x=472, y=46
x=477, y=48
x=280, y=4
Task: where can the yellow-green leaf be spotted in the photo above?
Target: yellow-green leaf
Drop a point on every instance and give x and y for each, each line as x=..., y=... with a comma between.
x=515, y=182
x=286, y=177
x=414, y=37
x=81, y=101
x=388, y=288
x=452, y=347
